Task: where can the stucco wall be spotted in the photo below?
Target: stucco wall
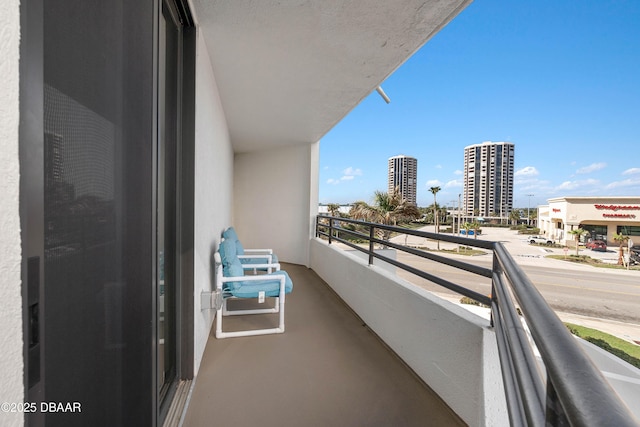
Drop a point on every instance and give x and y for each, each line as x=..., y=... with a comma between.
x=11, y=365
x=272, y=198
x=451, y=349
x=213, y=186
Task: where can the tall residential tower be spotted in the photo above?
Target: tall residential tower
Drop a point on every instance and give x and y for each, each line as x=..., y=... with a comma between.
x=488, y=179
x=403, y=174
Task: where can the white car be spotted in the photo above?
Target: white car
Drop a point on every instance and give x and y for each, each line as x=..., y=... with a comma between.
x=539, y=239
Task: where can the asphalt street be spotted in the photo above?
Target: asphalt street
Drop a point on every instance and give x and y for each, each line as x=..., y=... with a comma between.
x=592, y=296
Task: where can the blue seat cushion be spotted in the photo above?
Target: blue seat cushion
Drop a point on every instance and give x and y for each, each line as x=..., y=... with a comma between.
x=231, y=266
x=251, y=289
x=230, y=234
x=260, y=259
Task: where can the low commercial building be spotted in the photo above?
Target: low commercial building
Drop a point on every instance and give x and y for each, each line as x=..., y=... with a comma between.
x=602, y=217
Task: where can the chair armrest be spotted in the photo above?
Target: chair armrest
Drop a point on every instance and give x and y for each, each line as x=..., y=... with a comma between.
x=268, y=257
x=275, y=266
x=268, y=278
x=267, y=251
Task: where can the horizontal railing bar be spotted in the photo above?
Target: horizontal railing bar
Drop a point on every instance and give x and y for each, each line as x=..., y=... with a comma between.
x=435, y=279
x=586, y=396
x=426, y=234
x=471, y=268
x=348, y=243
x=352, y=233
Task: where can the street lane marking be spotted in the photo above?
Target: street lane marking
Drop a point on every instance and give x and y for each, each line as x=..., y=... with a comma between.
x=606, y=291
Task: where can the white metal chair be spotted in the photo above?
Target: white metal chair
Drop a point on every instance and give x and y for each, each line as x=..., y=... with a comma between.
x=231, y=283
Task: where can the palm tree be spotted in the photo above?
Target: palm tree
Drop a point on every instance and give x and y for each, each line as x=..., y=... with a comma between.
x=466, y=227
x=622, y=239
x=388, y=209
x=475, y=226
x=434, y=191
x=514, y=216
x=577, y=233
x=333, y=209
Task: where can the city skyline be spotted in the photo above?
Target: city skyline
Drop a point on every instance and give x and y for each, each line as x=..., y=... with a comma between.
x=566, y=92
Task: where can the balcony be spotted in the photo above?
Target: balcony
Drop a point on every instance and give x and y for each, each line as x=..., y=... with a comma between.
x=407, y=357
x=328, y=368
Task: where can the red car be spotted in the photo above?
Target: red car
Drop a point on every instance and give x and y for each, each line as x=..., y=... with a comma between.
x=597, y=245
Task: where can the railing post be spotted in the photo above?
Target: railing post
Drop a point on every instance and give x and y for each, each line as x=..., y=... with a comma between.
x=555, y=415
x=372, y=232
x=330, y=229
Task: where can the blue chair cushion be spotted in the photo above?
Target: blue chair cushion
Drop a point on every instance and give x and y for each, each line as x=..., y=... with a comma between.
x=251, y=289
x=230, y=234
x=239, y=248
x=227, y=250
x=231, y=266
x=259, y=259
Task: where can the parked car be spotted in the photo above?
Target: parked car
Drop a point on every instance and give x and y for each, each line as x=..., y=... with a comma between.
x=540, y=239
x=597, y=245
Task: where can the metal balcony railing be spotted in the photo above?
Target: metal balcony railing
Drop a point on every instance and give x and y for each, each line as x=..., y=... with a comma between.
x=571, y=391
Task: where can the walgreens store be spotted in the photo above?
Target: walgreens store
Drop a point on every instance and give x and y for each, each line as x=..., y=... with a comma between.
x=602, y=217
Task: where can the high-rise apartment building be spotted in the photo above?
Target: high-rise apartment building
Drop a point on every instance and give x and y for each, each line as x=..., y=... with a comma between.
x=403, y=174
x=488, y=179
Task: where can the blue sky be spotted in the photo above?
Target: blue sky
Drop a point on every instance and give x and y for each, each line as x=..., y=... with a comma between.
x=560, y=79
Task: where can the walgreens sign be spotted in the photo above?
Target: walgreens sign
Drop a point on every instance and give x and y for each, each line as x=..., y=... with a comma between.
x=616, y=208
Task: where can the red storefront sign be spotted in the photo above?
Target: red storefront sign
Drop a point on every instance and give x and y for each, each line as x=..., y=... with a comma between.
x=616, y=208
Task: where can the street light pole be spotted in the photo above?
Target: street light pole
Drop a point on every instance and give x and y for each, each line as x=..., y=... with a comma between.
x=528, y=208
x=459, y=211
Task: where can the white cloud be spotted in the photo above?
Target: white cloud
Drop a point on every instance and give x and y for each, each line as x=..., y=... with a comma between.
x=527, y=171
x=458, y=172
x=433, y=183
x=574, y=185
x=352, y=172
x=348, y=175
x=453, y=184
x=438, y=166
x=631, y=182
x=631, y=171
x=592, y=168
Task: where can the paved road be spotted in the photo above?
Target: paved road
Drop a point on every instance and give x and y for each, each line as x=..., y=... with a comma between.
x=594, y=293
x=567, y=287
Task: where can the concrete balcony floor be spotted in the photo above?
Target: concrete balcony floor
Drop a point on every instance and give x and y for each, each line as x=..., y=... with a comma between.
x=327, y=369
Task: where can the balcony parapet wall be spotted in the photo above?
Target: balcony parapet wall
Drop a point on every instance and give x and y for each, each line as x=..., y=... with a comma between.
x=452, y=350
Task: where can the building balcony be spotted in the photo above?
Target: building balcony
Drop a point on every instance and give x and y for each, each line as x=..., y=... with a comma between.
x=364, y=346
x=328, y=368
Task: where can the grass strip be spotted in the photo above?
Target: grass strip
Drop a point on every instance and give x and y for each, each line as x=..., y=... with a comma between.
x=625, y=350
x=585, y=259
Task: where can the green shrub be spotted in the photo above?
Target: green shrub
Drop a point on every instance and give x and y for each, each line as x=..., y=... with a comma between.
x=471, y=301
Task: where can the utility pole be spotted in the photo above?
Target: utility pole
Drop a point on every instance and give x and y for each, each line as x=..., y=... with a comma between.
x=459, y=211
x=528, y=208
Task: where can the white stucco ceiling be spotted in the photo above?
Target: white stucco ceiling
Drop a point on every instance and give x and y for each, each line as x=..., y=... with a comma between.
x=289, y=70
